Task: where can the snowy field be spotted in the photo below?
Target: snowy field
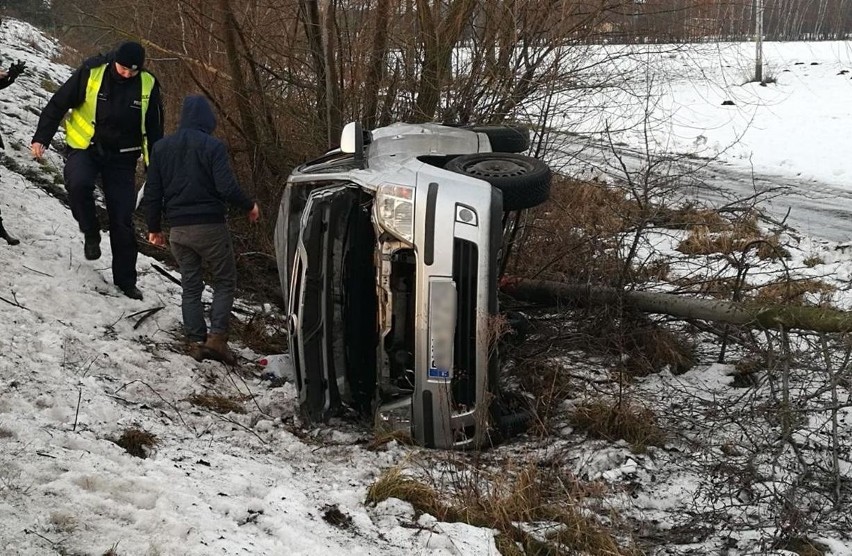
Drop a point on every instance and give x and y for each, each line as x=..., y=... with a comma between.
x=699, y=102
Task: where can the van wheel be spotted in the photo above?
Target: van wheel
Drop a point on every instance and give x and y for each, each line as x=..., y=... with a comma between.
x=524, y=181
x=506, y=138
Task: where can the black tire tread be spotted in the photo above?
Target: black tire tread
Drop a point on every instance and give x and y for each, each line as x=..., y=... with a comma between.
x=506, y=138
x=521, y=191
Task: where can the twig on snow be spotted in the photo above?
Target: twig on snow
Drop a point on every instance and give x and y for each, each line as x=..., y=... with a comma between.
x=14, y=303
x=145, y=314
x=165, y=273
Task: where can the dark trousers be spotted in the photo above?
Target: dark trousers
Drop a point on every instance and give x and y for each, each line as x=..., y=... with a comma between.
x=194, y=246
x=118, y=178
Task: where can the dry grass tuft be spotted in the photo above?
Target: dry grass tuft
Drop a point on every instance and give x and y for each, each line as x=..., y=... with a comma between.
x=63, y=522
x=137, y=442
x=498, y=327
x=742, y=237
x=508, y=547
x=332, y=515
x=384, y=437
x=718, y=288
x=656, y=271
x=794, y=292
x=641, y=345
x=219, y=404
x=49, y=85
x=812, y=261
x=394, y=483
x=651, y=348
x=619, y=421
x=689, y=217
x=548, y=383
x=701, y=241
x=770, y=248
x=571, y=236
x=591, y=207
x=803, y=546
x=262, y=332
x=530, y=495
x=747, y=371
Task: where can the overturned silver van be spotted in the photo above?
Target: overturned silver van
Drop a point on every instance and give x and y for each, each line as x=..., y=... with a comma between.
x=388, y=252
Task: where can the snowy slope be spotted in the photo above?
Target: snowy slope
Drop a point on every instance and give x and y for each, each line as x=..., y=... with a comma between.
x=75, y=373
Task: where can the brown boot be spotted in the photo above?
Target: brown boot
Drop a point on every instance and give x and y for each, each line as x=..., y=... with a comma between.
x=196, y=350
x=216, y=347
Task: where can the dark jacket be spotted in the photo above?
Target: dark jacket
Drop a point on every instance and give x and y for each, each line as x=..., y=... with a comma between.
x=190, y=178
x=12, y=73
x=8, y=80
x=117, y=121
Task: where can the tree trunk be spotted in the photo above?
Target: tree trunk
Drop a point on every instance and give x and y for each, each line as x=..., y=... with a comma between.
x=310, y=15
x=376, y=65
x=440, y=36
x=815, y=319
x=241, y=90
x=334, y=108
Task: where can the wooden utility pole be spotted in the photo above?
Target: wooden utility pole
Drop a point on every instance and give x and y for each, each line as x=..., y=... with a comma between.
x=758, y=39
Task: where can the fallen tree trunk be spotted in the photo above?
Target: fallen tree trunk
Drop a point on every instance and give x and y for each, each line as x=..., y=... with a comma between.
x=754, y=315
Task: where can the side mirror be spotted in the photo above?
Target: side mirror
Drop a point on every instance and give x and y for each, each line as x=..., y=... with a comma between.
x=352, y=139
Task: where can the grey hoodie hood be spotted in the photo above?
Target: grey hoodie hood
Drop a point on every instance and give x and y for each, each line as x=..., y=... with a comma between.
x=197, y=114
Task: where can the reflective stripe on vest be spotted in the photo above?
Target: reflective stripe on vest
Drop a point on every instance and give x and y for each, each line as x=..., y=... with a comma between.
x=80, y=124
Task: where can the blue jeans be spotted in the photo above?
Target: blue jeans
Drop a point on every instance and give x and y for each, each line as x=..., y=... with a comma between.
x=193, y=247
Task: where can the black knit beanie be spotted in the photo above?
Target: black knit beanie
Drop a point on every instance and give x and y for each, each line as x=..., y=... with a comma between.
x=130, y=55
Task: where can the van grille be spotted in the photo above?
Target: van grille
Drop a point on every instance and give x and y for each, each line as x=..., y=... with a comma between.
x=465, y=275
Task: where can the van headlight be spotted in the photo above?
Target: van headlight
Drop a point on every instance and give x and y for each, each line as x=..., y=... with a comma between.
x=395, y=210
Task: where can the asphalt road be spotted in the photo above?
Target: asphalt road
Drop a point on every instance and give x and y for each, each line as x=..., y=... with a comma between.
x=818, y=210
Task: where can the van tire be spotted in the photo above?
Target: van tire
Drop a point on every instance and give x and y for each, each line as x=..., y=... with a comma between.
x=506, y=138
x=524, y=181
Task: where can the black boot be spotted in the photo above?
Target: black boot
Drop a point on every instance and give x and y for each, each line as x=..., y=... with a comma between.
x=92, y=246
x=5, y=235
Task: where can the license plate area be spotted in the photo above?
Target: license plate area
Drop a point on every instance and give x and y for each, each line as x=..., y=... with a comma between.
x=442, y=328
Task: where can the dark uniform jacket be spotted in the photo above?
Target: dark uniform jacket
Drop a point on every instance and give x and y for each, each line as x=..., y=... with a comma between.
x=190, y=179
x=117, y=118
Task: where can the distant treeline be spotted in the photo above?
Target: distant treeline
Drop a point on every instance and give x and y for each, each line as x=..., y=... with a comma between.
x=702, y=20
x=628, y=21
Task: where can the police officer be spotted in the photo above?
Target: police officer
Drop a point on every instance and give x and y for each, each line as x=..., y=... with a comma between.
x=116, y=116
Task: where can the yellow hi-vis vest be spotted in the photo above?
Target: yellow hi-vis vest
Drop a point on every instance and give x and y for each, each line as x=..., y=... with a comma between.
x=80, y=124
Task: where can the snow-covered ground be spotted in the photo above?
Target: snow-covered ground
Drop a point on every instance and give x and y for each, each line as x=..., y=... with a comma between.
x=76, y=370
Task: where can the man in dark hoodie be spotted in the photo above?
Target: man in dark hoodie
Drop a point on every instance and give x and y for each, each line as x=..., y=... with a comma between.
x=116, y=116
x=190, y=181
